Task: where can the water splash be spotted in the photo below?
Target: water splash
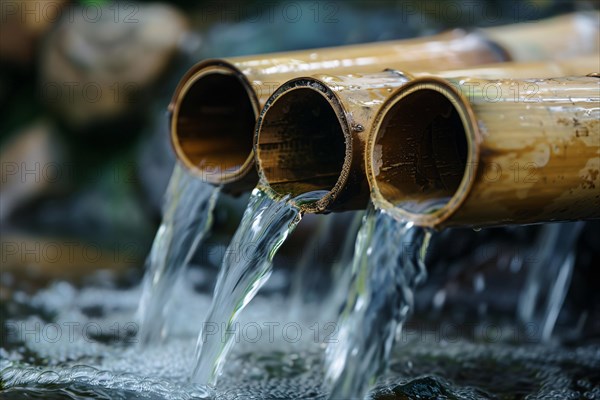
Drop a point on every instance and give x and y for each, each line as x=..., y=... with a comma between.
x=422, y=365
x=78, y=380
x=188, y=207
x=549, y=276
x=387, y=266
x=246, y=267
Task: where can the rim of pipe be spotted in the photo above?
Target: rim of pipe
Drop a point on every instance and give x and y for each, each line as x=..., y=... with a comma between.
x=395, y=192
x=240, y=98
x=293, y=96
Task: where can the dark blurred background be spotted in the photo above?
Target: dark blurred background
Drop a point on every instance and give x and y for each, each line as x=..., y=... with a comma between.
x=84, y=87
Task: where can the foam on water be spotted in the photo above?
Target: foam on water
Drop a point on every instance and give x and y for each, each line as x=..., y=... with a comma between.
x=484, y=369
x=189, y=203
x=81, y=343
x=45, y=380
x=42, y=361
x=426, y=365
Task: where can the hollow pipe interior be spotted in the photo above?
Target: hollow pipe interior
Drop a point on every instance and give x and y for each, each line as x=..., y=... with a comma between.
x=301, y=144
x=212, y=124
x=419, y=153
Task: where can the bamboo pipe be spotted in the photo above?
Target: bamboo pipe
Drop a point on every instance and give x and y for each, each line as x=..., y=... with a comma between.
x=310, y=137
x=523, y=70
x=532, y=42
x=216, y=104
x=472, y=152
x=311, y=134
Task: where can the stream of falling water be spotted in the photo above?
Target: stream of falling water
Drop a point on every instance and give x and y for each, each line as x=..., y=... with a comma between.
x=388, y=264
x=36, y=361
x=309, y=288
x=549, y=276
x=187, y=216
x=246, y=267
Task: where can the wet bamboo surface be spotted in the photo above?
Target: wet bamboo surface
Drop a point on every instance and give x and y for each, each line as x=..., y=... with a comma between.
x=472, y=152
x=577, y=66
x=216, y=104
x=214, y=112
x=310, y=136
x=299, y=148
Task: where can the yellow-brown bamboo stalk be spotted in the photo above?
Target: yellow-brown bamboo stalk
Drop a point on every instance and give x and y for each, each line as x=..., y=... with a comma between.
x=522, y=70
x=216, y=104
x=311, y=134
x=533, y=41
x=472, y=152
x=310, y=137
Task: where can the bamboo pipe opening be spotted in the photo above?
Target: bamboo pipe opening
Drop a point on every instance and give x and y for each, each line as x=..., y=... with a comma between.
x=301, y=143
x=420, y=152
x=213, y=115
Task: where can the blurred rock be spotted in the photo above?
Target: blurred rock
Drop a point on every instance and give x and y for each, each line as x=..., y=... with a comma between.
x=23, y=23
x=32, y=164
x=99, y=65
